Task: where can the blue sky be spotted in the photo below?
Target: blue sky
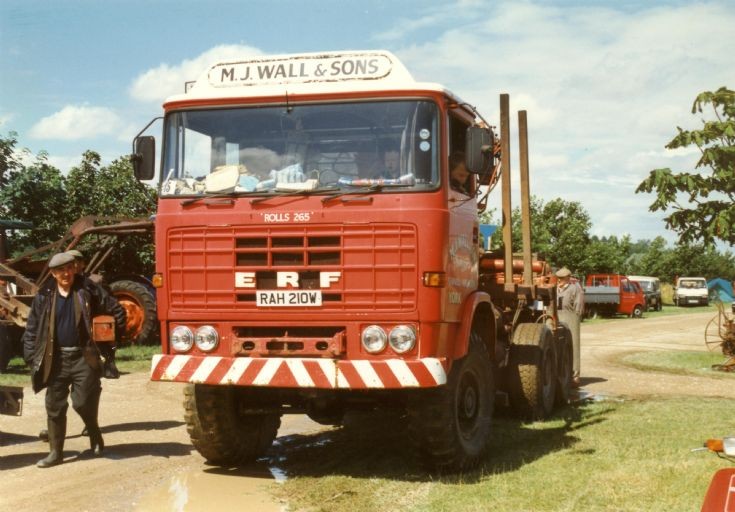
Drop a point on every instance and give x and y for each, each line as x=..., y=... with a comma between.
x=605, y=83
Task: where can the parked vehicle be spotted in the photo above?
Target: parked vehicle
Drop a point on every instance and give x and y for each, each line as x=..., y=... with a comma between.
x=690, y=291
x=651, y=289
x=293, y=278
x=611, y=294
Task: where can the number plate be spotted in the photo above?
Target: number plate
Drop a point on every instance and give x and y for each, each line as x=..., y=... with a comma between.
x=288, y=298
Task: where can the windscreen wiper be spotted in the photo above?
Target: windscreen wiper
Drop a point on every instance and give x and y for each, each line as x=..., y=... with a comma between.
x=193, y=200
x=292, y=192
x=369, y=189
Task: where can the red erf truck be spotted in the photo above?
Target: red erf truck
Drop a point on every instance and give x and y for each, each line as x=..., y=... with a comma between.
x=312, y=257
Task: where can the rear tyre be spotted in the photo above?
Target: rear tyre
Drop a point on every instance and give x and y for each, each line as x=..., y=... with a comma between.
x=140, y=309
x=532, y=372
x=564, y=364
x=450, y=425
x=221, y=431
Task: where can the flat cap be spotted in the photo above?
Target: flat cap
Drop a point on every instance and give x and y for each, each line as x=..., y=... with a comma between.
x=76, y=254
x=563, y=272
x=60, y=259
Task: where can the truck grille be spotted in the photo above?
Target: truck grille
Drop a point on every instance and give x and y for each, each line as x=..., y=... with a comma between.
x=378, y=265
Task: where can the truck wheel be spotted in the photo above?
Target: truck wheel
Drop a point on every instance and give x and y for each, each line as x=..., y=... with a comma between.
x=532, y=371
x=637, y=311
x=220, y=431
x=450, y=425
x=564, y=364
x=140, y=308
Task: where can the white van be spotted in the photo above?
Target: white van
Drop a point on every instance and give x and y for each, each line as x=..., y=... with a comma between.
x=691, y=291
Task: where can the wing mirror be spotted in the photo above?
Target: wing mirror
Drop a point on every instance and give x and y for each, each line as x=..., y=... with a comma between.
x=144, y=157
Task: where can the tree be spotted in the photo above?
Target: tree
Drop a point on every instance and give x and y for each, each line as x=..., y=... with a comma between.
x=607, y=255
x=35, y=193
x=10, y=159
x=710, y=214
x=655, y=261
x=40, y=194
x=559, y=232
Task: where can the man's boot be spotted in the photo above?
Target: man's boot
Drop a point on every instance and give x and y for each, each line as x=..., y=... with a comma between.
x=56, y=435
x=96, y=443
x=43, y=435
x=91, y=425
x=110, y=370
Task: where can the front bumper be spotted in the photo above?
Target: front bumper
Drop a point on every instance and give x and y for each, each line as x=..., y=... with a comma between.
x=280, y=372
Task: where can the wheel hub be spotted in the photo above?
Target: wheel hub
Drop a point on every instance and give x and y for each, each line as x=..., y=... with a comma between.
x=469, y=402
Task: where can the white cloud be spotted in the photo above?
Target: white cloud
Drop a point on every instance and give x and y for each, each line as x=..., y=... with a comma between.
x=155, y=85
x=605, y=88
x=77, y=122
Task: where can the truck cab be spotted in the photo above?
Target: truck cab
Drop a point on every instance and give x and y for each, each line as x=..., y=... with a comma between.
x=313, y=254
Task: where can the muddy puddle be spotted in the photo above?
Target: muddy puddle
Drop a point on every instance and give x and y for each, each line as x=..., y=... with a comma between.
x=208, y=488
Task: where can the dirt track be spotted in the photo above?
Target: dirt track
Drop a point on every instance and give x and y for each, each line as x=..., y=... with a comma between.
x=149, y=463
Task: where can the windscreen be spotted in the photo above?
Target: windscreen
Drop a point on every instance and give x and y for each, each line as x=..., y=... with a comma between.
x=389, y=145
x=692, y=283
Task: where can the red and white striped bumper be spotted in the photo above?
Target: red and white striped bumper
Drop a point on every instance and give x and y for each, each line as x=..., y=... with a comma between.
x=299, y=373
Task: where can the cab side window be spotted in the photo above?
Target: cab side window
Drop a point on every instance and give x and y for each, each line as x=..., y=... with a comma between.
x=459, y=178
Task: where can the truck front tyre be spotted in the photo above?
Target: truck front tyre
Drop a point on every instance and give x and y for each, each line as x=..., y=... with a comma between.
x=532, y=375
x=637, y=311
x=140, y=309
x=221, y=431
x=450, y=425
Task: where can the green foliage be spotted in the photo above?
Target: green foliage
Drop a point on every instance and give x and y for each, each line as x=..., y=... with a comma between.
x=40, y=194
x=559, y=232
x=9, y=159
x=35, y=193
x=701, y=204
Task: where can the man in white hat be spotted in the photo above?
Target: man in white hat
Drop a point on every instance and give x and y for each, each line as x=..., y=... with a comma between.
x=570, y=298
x=58, y=347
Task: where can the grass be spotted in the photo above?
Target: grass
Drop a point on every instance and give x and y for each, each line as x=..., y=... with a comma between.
x=665, y=311
x=679, y=362
x=131, y=359
x=601, y=456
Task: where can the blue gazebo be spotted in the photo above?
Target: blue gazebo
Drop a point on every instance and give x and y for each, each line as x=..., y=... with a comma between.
x=722, y=289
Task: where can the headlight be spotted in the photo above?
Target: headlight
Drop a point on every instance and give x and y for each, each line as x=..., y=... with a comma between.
x=182, y=338
x=374, y=339
x=207, y=338
x=402, y=338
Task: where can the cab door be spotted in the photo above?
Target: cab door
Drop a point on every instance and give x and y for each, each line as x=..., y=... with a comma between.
x=628, y=296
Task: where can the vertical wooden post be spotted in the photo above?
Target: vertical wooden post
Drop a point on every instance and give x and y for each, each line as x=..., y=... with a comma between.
x=507, y=210
x=525, y=196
